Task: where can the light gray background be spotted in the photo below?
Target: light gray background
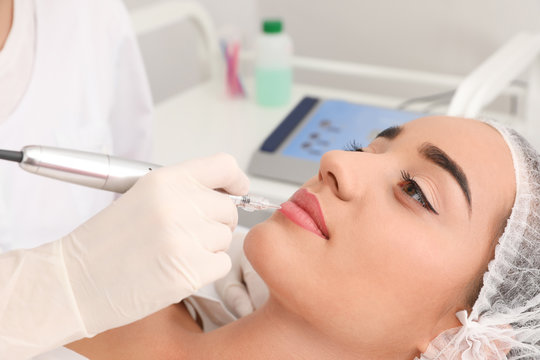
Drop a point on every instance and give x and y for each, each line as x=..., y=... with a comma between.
x=451, y=36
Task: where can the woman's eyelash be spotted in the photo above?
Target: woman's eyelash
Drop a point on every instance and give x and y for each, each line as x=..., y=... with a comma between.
x=353, y=145
x=411, y=188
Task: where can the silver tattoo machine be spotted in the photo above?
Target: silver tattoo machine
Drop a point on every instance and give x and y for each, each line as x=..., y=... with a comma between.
x=99, y=171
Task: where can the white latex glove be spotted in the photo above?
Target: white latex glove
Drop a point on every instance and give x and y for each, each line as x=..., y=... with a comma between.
x=157, y=244
x=242, y=289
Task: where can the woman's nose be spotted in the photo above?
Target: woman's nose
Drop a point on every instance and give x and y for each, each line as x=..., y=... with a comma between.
x=337, y=170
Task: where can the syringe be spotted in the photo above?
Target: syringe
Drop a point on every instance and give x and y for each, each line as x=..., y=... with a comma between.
x=99, y=171
x=252, y=203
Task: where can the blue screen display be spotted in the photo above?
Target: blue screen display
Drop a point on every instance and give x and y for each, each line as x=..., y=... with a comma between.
x=335, y=124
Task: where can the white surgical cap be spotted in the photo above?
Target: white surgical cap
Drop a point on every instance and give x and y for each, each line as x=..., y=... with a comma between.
x=505, y=320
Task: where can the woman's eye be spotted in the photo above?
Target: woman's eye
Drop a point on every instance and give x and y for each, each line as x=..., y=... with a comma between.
x=412, y=189
x=353, y=146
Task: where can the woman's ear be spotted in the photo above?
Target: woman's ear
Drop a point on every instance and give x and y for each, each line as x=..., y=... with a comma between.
x=447, y=327
x=502, y=346
x=491, y=350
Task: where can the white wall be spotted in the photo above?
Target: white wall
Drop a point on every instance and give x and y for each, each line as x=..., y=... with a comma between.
x=451, y=36
x=170, y=55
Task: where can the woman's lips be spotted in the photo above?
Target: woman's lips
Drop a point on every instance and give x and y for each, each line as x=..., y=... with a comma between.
x=304, y=210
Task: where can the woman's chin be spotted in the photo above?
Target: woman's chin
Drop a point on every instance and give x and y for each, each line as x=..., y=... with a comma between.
x=254, y=242
x=265, y=246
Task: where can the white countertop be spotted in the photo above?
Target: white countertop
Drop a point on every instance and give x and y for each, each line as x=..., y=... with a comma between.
x=205, y=120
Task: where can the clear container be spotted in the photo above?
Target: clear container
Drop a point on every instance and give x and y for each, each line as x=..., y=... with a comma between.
x=273, y=68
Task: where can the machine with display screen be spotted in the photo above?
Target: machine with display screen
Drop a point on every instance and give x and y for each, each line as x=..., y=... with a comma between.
x=315, y=126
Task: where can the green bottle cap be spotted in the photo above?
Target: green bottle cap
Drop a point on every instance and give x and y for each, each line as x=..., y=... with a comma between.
x=272, y=26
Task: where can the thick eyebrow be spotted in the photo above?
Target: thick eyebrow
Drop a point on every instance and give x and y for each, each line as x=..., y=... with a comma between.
x=390, y=133
x=441, y=159
x=438, y=157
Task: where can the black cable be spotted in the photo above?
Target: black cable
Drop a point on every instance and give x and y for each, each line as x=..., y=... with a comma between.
x=443, y=95
x=16, y=156
x=429, y=108
x=440, y=98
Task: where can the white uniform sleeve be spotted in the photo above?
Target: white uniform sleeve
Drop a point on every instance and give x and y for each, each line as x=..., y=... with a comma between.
x=37, y=308
x=60, y=354
x=131, y=112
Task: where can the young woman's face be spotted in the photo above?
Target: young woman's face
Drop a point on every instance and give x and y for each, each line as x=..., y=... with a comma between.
x=409, y=226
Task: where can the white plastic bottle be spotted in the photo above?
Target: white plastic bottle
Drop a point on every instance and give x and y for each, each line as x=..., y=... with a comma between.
x=273, y=68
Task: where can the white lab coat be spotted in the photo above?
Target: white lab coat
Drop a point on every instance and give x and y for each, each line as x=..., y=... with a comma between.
x=88, y=91
x=205, y=304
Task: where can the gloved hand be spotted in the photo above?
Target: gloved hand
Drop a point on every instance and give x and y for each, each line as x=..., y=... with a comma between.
x=155, y=245
x=242, y=289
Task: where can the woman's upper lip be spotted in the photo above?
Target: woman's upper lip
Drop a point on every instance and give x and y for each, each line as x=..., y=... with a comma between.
x=310, y=204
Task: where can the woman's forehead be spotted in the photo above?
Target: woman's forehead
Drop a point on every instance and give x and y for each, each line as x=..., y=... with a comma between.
x=471, y=139
x=445, y=126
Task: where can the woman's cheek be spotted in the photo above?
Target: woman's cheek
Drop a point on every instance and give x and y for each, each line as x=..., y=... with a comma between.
x=264, y=248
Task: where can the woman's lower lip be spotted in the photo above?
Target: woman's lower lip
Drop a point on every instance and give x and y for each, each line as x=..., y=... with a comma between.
x=301, y=218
